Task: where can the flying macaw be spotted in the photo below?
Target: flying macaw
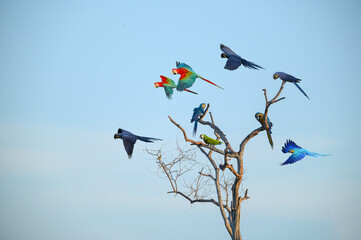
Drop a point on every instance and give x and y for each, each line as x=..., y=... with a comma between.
x=209, y=141
x=168, y=85
x=188, y=76
x=197, y=112
x=298, y=153
x=259, y=117
x=234, y=60
x=289, y=78
x=129, y=140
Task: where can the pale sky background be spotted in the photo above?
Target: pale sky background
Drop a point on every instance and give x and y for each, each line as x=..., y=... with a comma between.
x=72, y=72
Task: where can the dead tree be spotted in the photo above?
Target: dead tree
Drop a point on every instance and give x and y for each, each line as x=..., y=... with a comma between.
x=228, y=197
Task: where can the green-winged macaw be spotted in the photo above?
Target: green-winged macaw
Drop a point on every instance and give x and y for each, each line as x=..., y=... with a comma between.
x=188, y=76
x=259, y=117
x=197, y=112
x=209, y=141
x=289, y=78
x=298, y=153
x=234, y=60
x=168, y=85
x=129, y=140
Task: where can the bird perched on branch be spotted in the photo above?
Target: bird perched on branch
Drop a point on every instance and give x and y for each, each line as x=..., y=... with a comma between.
x=210, y=141
x=129, y=140
x=259, y=117
x=298, y=153
x=168, y=85
x=234, y=60
x=197, y=112
x=188, y=76
x=289, y=78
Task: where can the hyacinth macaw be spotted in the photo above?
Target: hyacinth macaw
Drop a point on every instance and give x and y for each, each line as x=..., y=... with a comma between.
x=289, y=78
x=234, y=60
x=168, y=85
x=129, y=140
x=188, y=76
x=209, y=141
x=259, y=117
x=197, y=112
x=298, y=153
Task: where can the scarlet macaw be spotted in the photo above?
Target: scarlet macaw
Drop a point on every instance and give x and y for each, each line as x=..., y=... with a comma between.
x=168, y=85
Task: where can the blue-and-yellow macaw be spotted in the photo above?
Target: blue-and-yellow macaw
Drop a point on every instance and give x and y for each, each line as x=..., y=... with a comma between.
x=197, y=112
x=188, y=76
x=289, y=78
x=259, y=117
x=234, y=60
x=298, y=153
x=168, y=85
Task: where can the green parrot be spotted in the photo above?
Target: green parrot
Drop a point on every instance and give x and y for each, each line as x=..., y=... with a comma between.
x=209, y=141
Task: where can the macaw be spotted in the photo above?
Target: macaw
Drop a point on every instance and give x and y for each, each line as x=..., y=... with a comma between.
x=289, y=78
x=298, y=153
x=168, y=85
x=209, y=141
x=188, y=76
x=234, y=60
x=197, y=112
x=259, y=117
x=129, y=140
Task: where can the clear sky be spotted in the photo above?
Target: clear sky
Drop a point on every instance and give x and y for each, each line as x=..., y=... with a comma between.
x=72, y=72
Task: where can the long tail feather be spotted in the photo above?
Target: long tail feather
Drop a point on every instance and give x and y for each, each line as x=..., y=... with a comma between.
x=147, y=139
x=313, y=154
x=301, y=89
x=195, y=127
x=210, y=82
x=190, y=91
x=270, y=138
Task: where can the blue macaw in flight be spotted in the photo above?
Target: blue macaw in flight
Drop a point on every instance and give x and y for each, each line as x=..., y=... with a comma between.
x=129, y=140
x=289, y=78
x=197, y=112
x=298, y=153
x=234, y=60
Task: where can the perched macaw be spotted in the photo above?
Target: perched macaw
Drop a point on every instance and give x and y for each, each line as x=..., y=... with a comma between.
x=234, y=60
x=188, y=76
x=197, y=112
x=259, y=117
x=298, y=153
x=168, y=85
x=289, y=78
x=129, y=140
x=209, y=141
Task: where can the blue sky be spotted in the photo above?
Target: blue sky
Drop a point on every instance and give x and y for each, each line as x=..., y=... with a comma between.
x=72, y=72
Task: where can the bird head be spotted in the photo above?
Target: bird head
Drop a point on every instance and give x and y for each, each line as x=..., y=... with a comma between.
x=119, y=134
x=291, y=151
x=175, y=71
x=275, y=76
x=258, y=115
x=203, y=105
x=156, y=85
x=223, y=55
x=202, y=136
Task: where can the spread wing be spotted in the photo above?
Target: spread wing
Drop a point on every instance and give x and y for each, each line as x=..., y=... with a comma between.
x=168, y=90
x=186, y=80
x=129, y=141
x=226, y=50
x=232, y=63
x=294, y=158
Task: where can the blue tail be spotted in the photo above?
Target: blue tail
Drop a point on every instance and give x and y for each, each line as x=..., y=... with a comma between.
x=313, y=154
x=195, y=127
x=301, y=89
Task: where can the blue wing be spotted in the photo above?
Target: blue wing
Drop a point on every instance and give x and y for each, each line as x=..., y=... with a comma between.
x=183, y=65
x=168, y=91
x=295, y=157
x=227, y=50
x=287, y=77
x=289, y=145
x=129, y=141
x=232, y=63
